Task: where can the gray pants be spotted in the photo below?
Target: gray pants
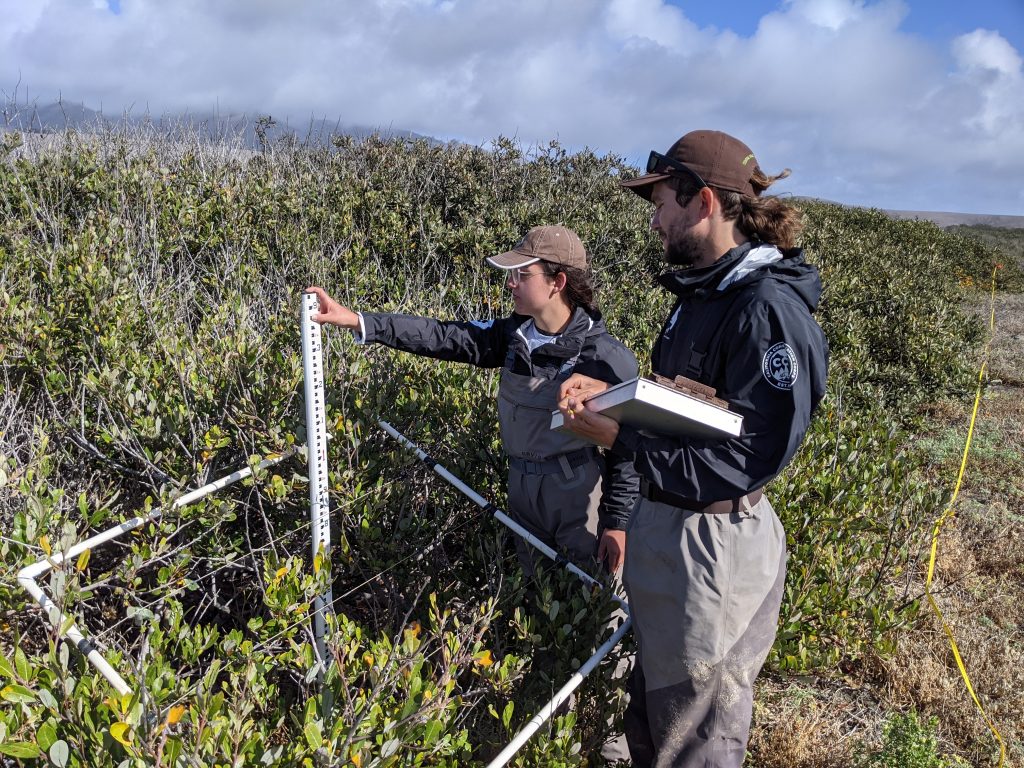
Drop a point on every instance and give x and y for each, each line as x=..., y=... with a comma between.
x=704, y=592
x=560, y=512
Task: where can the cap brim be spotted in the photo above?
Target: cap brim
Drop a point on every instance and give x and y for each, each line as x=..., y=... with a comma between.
x=511, y=260
x=642, y=184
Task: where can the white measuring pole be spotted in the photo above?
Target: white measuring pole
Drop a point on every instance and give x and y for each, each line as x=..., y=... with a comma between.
x=316, y=459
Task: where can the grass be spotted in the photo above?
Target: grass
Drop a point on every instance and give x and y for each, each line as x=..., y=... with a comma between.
x=978, y=584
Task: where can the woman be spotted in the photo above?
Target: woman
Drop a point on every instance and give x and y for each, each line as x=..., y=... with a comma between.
x=561, y=488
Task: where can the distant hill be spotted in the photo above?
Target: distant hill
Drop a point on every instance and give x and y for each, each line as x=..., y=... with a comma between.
x=252, y=129
x=255, y=128
x=944, y=219
x=948, y=219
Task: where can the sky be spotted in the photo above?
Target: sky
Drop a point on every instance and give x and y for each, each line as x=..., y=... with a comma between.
x=899, y=104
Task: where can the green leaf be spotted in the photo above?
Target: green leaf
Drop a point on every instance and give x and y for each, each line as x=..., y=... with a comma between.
x=17, y=694
x=47, y=698
x=46, y=736
x=6, y=669
x=506, y=715
x=21, y=662
x=172, y=751
x=19, y=749
x=59, y=753
x=431, y=732
x=314, y=736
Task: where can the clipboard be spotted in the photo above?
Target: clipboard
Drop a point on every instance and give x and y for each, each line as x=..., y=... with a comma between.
x=680, y=407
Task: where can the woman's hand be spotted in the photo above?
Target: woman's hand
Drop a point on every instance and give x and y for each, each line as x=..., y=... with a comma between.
x=612, y=550
x=332, y=312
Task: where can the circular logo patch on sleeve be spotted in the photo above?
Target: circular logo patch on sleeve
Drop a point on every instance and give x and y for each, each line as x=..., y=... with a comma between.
x=780, y=366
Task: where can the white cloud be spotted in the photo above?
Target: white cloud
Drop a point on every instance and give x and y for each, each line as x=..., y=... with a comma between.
x=862, y=111
x=987, y=50
x=638, y=21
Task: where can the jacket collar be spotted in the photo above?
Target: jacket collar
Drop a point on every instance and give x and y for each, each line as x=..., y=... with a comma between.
x=701, y=282
x=570, y=341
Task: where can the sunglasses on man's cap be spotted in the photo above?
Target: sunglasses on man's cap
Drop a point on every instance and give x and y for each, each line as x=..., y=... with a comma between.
x=659, y=163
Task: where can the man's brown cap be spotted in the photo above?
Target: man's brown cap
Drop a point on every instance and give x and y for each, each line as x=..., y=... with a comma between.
x=719, y=159
x=558, y=245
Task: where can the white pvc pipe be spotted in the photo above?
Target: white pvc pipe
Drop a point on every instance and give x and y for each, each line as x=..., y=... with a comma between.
x=498, y=514
x=563, y=694
x=316, y=462
x=74, y=635
x=566, y=690
x=28, y=575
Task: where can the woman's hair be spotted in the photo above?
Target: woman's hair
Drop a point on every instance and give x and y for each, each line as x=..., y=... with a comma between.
x=765, y=219
x=579, y=290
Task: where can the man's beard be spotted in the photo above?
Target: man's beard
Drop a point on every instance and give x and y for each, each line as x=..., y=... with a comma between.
x=683, y=249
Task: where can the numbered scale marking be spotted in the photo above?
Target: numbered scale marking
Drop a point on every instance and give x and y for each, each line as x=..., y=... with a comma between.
x=316, y=454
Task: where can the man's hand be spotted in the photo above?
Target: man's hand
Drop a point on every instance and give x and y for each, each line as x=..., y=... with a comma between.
x=597, y=428
x=612, y=550
x=580, y=387
x=332, y=312
x=572, y=397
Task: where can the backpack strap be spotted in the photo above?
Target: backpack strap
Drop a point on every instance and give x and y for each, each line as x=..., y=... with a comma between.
x=699, y=347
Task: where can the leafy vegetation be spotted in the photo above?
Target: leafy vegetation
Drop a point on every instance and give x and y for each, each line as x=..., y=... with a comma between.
x=909, y=743
x=1009, y=243
x=149, y=294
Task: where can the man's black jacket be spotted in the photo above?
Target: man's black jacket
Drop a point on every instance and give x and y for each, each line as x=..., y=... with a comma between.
x=758, y=345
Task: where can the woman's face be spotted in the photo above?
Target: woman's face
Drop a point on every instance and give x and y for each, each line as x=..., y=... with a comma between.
x=531, y=288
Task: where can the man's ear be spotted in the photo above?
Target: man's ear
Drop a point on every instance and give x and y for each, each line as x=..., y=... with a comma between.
x=560, y=281
x=707, y=201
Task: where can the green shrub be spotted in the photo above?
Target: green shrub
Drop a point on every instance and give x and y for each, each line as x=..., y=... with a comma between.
x=149, y=294
x=909, y=743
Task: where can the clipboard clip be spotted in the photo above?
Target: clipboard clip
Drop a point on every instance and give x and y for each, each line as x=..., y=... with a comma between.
x=691, y=388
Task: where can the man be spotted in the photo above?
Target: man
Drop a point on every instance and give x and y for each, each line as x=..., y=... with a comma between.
x=706, y=554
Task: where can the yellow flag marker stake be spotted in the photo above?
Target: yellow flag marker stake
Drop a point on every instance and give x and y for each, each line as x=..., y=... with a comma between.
x=948, y=514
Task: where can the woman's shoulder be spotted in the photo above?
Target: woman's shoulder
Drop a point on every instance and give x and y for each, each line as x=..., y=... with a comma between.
x=612, y=355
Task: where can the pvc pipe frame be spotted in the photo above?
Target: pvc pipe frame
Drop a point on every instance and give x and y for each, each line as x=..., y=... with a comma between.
x=566, y=690
x=563, y=694
x=65, y=625
x=498, y=514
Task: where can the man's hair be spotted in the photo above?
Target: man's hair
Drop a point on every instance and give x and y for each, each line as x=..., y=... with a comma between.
x=579, y=290
x=765, y=219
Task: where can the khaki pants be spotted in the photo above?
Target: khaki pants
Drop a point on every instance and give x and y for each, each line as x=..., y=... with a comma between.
x=704, y=592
